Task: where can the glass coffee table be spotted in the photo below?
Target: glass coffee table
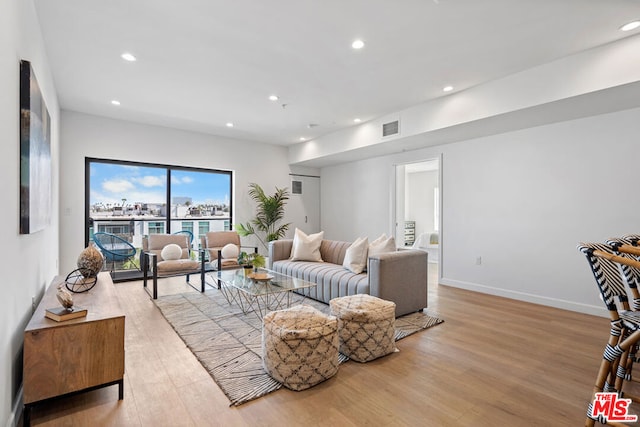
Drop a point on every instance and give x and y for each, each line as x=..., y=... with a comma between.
x=259, y=292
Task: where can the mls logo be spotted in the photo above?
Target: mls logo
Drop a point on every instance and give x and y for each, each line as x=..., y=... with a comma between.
x=611, y=408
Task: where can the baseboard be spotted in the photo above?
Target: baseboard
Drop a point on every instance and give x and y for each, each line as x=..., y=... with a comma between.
x=16, y=411
x=523, y=296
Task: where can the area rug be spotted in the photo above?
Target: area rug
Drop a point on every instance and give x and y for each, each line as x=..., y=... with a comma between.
x=228, y=343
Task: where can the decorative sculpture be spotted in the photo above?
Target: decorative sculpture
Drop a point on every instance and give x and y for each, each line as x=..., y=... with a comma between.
x=68, y=311
x=82, y=279
x=90, y=262
x=65, y=298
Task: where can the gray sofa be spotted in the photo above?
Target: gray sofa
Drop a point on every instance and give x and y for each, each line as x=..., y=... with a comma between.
x=399, y=276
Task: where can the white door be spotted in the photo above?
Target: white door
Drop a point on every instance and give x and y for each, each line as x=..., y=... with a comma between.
x=304, y=209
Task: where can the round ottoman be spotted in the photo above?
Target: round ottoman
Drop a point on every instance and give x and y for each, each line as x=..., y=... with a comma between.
x=366, y=326
x=300, y=346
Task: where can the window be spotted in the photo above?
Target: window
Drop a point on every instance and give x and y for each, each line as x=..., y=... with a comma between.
x=203, y=227
x=156, y=227
x=134, y=199
x=119, y=229
x=187, y=226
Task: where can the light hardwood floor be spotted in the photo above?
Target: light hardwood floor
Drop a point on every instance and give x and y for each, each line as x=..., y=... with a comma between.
x=493, y=362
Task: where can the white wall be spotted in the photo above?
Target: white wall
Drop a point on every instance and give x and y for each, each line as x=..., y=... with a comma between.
x=356, y=199
x=596, y=81
x=85, y=135
x=28, y=261
x=521, y=200
x=419, y=201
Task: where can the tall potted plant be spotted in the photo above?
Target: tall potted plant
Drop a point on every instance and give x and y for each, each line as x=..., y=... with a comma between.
x=269, y=212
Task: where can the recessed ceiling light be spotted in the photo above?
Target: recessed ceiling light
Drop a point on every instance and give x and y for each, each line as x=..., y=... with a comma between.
x=273, y=97
x=128, y=57
x=115, y=102
x=229, y=125
x=447, y=88
x=302, y=138
x=357, y=120
x=357, y=44
x=630, y=26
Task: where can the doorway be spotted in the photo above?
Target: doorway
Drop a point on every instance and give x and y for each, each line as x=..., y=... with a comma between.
x=418, y=207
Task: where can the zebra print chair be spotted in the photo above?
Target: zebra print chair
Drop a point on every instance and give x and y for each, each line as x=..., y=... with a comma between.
x=632, y=239
x=625, y=323
x=625, y=247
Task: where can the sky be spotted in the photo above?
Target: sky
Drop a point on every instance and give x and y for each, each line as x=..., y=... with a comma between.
x=110, y=183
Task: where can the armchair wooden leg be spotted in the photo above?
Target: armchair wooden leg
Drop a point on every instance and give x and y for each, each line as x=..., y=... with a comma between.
x=614, y=350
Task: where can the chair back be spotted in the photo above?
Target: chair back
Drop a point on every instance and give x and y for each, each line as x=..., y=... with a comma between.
x=114, y=247
x=633, y=239
x=630, y=273
x=154, y=243
x=213, y=241
x=186, y=233
x=608, y=277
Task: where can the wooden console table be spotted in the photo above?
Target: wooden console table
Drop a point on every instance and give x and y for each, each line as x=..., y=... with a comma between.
x=82, y=354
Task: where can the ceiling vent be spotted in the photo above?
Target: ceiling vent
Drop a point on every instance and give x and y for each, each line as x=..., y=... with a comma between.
x=391, y=128
x=296, y=187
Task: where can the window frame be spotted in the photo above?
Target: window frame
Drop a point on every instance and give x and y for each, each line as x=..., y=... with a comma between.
x=168, y=168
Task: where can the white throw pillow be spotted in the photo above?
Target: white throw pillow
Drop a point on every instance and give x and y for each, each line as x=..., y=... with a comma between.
x=171, y=252
x=379, y=240
x=355, y=258
x=306, y=248
x=230, y=251
x=382, y=244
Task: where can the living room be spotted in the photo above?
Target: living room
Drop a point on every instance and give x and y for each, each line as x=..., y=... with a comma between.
x=531, y=164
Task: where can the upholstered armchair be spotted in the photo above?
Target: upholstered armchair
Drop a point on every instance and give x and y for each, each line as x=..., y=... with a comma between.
x=168, y=255
x=216, y=243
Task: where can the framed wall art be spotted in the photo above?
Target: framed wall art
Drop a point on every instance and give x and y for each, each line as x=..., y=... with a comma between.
x=35, y=154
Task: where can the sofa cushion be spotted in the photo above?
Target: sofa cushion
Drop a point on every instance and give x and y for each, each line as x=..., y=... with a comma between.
x=334, y=251
x=355, y=259
x=333, y=280
x=306, y=247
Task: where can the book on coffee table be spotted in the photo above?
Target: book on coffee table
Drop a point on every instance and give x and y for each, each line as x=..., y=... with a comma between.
x=60, y=314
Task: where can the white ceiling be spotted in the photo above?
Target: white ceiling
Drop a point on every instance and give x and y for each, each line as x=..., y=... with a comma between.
x=203, y=63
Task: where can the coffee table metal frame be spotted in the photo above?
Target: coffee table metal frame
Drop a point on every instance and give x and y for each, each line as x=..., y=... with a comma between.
x=259, y=296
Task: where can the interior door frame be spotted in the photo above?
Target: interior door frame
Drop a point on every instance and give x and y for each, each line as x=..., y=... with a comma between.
x=397, y=198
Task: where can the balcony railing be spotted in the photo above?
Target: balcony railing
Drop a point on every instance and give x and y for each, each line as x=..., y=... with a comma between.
x=133, y=229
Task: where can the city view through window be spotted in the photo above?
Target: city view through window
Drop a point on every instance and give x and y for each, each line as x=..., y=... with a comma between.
x=133, y=200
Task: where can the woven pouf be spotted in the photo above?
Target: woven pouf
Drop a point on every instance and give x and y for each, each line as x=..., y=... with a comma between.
x=300, y=346
x=366, y=326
